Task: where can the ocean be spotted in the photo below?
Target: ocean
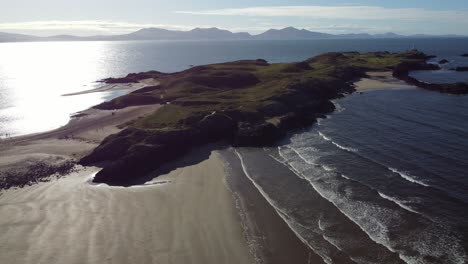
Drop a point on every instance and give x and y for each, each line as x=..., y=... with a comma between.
x=383, y=179
x=34, y=76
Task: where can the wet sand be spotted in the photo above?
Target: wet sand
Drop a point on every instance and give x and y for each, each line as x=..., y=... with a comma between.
x=380, y=80
x=270, y=239
x=190, y=217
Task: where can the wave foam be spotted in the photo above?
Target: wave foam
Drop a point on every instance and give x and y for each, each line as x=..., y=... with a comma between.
x=324, y=137
x=397, y=202
x=336, y=144
x=338, y=108
x=408, y=177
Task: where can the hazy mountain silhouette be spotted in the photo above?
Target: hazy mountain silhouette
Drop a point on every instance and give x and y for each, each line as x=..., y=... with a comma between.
x=289, y=33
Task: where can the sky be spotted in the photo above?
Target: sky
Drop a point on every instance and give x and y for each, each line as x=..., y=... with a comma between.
x=106, y=17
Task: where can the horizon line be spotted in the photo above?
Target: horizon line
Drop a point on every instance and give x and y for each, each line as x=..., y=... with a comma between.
x=234, y=32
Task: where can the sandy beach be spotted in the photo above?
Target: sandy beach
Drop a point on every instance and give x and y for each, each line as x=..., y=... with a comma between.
x=380, y=80
x=189, y=218
x=187, y=215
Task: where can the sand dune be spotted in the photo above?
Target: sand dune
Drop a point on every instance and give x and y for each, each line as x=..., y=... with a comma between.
x=190, y=219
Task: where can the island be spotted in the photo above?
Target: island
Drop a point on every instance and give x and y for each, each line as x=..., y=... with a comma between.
x=242, y=103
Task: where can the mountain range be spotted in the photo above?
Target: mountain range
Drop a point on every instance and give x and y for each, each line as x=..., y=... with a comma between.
x=289, y=33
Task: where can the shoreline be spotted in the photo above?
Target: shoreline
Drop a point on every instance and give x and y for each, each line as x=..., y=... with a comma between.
x=270, y=238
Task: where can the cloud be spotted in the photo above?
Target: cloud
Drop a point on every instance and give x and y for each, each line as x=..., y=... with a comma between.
x=102, y=27
x=337, y=12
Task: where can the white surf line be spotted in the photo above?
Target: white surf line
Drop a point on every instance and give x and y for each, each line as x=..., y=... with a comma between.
x=398, y=203
x=319, y=223
x=407, y=177
x=280, y=213
x=407, y=207
x=336, y=144
x=326, y=168
x=324, y=137
x=302, y=157
x=402, y=257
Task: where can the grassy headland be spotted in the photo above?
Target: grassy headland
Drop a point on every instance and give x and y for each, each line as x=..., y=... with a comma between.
x=245, y=103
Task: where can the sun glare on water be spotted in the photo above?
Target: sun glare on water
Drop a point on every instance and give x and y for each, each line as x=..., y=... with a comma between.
x=34, y=76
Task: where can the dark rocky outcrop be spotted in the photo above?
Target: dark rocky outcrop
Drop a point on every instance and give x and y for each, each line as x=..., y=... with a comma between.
x=403, y=69
x=464, y=55
x=460, y=69
x=34, y=172
x=443, y=61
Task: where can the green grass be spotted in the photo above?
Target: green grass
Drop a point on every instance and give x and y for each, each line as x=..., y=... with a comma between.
x=249, y=85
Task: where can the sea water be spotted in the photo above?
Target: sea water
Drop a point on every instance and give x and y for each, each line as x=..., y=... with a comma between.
x=34, y=76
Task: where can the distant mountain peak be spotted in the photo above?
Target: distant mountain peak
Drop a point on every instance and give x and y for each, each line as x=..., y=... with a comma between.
x=212, y=33
x=291, y=33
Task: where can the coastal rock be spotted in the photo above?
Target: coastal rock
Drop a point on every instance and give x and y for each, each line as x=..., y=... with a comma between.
x=217, y=126
x=464, y=55
x=147, y=151
x=114, y=146
x=460, y=69
x=443, y=61
x=256, y=135
x=135, y=163
x=406, y=67
x=274, y=109
x=33, y=170
x=402, y=71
